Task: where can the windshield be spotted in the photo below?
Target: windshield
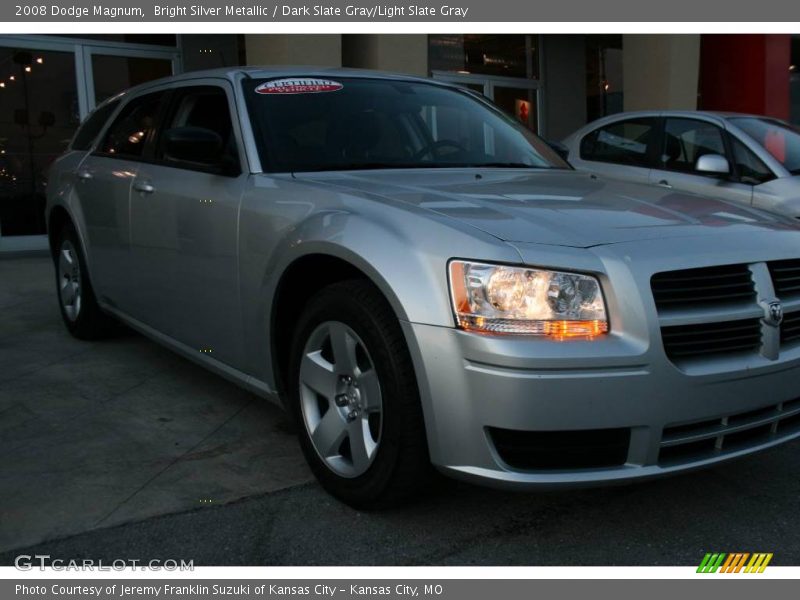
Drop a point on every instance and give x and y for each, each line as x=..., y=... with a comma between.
x=780, y=139
x=314, y=124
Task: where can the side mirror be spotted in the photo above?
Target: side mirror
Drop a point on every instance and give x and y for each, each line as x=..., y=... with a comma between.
x=196, y=145
x=713, y=164
x=559, y=149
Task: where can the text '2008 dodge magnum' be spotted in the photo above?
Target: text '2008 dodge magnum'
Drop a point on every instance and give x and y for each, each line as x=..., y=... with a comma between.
x=421, y=281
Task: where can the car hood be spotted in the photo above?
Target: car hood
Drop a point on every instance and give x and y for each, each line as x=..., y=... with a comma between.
x=555, y=207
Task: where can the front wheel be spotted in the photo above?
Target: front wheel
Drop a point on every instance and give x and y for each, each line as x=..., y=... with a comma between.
x=355, y=396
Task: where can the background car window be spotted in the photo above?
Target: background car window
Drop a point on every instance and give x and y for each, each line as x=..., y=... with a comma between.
x=623, y=142
x=92, y=126
x=205, y=107
x=686, y=140
x=133, y=127
x=750, y=168
x=780, y=139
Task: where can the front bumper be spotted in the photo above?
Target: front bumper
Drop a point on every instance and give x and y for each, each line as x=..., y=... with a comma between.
x=472, y=384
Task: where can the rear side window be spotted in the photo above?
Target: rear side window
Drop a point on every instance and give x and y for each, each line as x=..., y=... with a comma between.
x=91, y=127
x=686, y=140
x=133, y=127
x=623, y=142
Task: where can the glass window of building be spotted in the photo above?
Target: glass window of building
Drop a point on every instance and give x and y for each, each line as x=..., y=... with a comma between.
x=603, y=75
x=38, y=117
x=504, y=55
x=504, y=68
x=113, y=74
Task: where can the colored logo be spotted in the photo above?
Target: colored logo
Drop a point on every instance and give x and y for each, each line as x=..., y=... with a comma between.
x=298, y=85
x=735, y=562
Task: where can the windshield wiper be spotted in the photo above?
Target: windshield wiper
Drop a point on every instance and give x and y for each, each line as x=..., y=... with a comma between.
x=366, y=166
x=508, y=165
x=372, y=165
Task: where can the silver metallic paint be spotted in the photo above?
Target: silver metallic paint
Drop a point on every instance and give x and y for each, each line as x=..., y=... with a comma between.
x=400, y=228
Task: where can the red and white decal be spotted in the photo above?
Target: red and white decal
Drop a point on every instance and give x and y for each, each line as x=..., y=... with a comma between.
x=298, y=86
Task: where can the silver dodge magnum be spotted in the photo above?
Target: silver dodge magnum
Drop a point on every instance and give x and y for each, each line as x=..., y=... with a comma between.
x=421, y=282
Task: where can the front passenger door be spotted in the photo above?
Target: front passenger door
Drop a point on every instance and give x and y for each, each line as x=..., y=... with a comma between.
x=184, y=228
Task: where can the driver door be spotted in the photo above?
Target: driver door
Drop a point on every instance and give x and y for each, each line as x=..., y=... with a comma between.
x=683, y=142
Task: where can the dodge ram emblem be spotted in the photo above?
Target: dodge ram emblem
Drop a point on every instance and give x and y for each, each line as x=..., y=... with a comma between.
x=773, y=313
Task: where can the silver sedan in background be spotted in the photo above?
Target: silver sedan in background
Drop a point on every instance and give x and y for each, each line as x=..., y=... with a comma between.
x=749, y=159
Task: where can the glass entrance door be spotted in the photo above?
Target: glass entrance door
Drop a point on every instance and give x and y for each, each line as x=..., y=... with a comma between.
x=112, y=70
x=48, y=85
x=113, y=74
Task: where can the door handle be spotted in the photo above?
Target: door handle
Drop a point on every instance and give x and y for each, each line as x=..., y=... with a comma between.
x=144, y=187
x=83, y=175
x=665, y=183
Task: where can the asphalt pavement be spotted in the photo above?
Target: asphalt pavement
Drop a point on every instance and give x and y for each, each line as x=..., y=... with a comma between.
x=123, y=450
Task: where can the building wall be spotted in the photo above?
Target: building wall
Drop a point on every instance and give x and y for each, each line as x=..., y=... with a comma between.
x=209, y=51
x=564, y=76
x=398, y=53
x=661, y=71
x=746, y=73
x=283, y=49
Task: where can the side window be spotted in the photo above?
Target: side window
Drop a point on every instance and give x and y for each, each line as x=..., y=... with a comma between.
x=91, y=126
x=623, y=142
x=750, y=168
x=132, y=128
x=205, y=107
x=686, y=140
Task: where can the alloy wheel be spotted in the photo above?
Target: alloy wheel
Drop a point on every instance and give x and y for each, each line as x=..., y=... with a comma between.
x=69, y=280
x=340, y=399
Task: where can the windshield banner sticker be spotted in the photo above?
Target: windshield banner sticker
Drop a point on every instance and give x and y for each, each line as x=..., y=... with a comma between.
x=298, y=86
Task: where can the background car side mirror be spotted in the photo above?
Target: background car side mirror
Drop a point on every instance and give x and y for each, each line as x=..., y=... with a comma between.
x=559, y=149
x=713, y=164
x=195, y=145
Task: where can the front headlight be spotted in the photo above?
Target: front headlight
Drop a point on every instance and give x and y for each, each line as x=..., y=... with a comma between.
x=518, y=300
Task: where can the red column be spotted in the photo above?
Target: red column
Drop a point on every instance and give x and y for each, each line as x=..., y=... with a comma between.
x=745, y=73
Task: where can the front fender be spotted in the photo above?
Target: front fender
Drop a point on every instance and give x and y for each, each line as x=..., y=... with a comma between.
x=402, y=249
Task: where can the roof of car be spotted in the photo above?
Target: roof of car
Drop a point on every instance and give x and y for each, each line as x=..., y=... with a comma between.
x=267, y=72
x=677, y=113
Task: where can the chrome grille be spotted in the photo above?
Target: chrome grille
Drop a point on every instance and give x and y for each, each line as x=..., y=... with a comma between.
x=719, y=311
x=786, y=278
x=726, y=337
x=710, y=285
x=790, y=328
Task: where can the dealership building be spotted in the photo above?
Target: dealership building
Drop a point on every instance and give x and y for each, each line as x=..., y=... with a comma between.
x=551, y=83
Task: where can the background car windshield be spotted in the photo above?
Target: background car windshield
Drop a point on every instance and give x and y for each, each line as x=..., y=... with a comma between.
x=374, y=123
x=780, y=139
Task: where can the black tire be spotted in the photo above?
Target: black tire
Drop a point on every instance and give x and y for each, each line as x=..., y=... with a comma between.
x=401, y=469
x=89, y=322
